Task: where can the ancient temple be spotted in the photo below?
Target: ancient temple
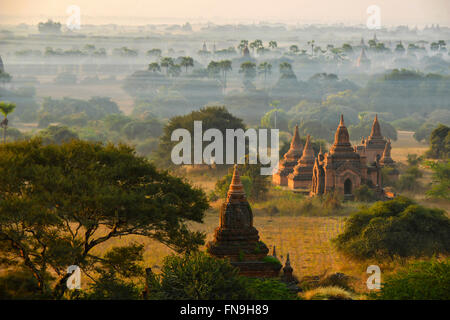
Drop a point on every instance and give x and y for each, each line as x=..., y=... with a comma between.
x=342, y=169
x=373, y=146
x=302, y=173
x=237, y=239
x=289, y=161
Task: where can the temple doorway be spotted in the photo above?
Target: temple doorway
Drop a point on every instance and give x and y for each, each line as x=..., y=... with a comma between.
x=348, y=186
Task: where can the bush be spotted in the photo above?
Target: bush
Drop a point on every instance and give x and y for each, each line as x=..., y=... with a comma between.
x=199, y=276
x=327, y=293
x=426, y=280
x=398, y=227
x=364, y=194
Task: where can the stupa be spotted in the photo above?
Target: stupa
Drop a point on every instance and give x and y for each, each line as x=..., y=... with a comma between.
x=302, y=174
x=237, y=239
x=289, y=161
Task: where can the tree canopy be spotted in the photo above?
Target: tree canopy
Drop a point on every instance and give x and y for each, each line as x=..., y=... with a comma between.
x=58, y=202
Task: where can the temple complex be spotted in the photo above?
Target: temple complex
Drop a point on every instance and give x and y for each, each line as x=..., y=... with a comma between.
x=237, y=239
x=289, y=161
x=343, y=169
x=302, y=173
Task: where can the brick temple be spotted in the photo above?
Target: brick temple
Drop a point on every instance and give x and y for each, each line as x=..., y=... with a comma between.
x=343, y=169
x=237, y=239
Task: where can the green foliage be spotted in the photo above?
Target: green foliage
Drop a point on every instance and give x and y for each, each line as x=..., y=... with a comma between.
x=272, y=260
x=142, y=129
x=424, y=280
x=282, y=120
x=19, y=284
x=397, y=227
x=223, y=184
x=199, y=276
x=424, y=131
x=114, y=270
x=440, y=143
x=57, y=135
x=364, y=194
x=56, y=197
x=6, y=108
x=211, y=117
x=440, y=186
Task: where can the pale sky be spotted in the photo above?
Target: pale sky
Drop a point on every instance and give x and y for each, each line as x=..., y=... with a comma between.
x=138, y=12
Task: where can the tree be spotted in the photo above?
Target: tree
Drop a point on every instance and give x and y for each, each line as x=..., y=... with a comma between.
x=166, y=62
x=398, y=227
x=256, y=45
x=225, y=66
x=286, y=71
x=216, y=117
x=242, y=45
x=154, y=67
x=248, y=69
x=293, y=49
x=440, y=187
x=5, y=109
x=265, y=68
x=59, y=202
x=420, y=280
x=273, y=44
x=440, y=143
x=187, y=62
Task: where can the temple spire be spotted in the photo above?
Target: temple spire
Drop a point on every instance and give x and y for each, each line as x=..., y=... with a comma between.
x=296, y=143
x=236, y=190
x=376, y=130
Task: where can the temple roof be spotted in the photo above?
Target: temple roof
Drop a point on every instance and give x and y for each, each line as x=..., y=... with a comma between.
x=236, y=191
x=308, y=152
x=296, y=146
x=376, y=130
x=342, y=140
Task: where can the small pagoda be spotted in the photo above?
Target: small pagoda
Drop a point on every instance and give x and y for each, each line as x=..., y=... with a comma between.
x=302, y=174
x=287, y=164
x=237, y=239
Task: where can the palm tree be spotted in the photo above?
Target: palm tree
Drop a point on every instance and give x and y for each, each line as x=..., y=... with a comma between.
x=273, y=44
x=166, y=62
x=274, y=104
x=256, y=45
x=225, y=66
x=249, y=71
x=187, y=62
x=154, y=67
x=5, y=109
x=242, y=45
x=265, y=68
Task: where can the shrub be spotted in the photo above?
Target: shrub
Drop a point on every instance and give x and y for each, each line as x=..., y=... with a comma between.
x=425, y=280
x=364, y=194
x=327, y=293
x=199, y=276
x=398, y=227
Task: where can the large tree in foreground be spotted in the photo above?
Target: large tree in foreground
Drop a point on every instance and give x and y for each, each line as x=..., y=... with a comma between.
x=59, y=202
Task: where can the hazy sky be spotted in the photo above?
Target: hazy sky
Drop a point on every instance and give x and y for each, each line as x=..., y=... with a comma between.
x=393, y=12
